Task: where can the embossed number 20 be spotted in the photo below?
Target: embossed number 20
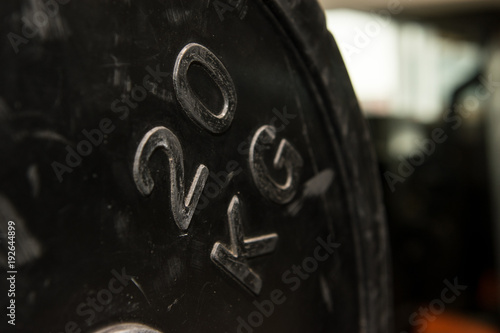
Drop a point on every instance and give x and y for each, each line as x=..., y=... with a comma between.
x=161, y=138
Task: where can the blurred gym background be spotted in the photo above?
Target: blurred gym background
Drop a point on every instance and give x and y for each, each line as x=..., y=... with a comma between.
x=427, y=74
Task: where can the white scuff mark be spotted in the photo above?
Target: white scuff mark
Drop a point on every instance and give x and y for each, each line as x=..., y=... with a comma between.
x=319, y=184
x=305, y=132
x=28, y=248
x=120, y=71
x=140, y=288
x=127, y=84
x=200, y=296
x=121, y=222
x=162, y=93
x=314, y=187
x=34, y=179
x=43, y=135
x=175, y=268
x=172, y=304
x=46, y=19
x=230, y=177
x=325, y=293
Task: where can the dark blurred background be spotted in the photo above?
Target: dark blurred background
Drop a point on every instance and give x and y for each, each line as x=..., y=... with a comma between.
x=427, y=74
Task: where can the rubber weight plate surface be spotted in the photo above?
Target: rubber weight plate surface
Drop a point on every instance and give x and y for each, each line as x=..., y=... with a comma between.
x=184, y=166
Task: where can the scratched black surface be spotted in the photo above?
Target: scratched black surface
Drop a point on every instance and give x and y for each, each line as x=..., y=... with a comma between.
x=65, y=80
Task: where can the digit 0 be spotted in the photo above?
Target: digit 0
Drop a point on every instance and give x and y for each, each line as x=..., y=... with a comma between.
x=215, y=122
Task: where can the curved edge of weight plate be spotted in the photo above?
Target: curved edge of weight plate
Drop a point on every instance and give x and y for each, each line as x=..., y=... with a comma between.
x=305, y=22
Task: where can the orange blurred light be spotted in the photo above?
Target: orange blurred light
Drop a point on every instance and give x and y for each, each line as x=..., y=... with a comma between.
x=447, y=323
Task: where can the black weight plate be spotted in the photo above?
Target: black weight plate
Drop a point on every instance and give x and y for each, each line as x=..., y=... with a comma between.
x=92, y=96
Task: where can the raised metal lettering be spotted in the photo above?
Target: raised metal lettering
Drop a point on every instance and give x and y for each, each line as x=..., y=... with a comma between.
x=232, y=259
x=217, y=122
x=286, y=156
x=182, y=207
